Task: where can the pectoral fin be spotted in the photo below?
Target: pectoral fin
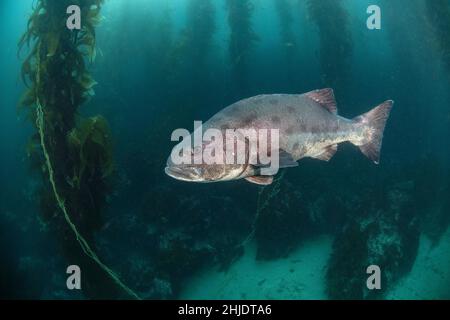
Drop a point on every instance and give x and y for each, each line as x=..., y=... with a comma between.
x=260, y=180
x=286, y=160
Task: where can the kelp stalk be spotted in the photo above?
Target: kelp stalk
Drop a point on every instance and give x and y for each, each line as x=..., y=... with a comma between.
x=438, y=12
x=288, y=40
x=265, y=195
x=242, y=40
x=335, y=39
x=83, y=243
x=75, y=155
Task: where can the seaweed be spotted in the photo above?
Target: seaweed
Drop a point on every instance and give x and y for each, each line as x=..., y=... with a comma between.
x=287, y=35
x=335, y=40
x=242, y=41
x=387, y=235
x=186, y=236
x=189, y=55
x=75, y=155
x=200, y=29
x=346, y=272
x=163, y=43
x=282, y=220
x=90, y=150
x=438, y=13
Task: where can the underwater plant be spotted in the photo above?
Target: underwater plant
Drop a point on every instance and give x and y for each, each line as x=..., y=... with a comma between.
x=383, y=233
x=276, y=228
x=192, y=51
x=281, y=220
x=75, y=154
x=200, y=28
x=189, y=53
x=180, y=58
x=335, y=40
x=163, y=42
x=288, y=39
x=191, y=233
x=183, y=58
x=242, y=41
x=438, y=12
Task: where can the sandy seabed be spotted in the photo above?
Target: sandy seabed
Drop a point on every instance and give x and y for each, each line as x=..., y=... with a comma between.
x=430, y=275
x=301, y=275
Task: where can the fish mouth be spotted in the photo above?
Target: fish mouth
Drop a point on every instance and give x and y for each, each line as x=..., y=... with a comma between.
x=177, y=173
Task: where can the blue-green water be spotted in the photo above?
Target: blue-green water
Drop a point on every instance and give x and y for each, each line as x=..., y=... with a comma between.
x=162, y=64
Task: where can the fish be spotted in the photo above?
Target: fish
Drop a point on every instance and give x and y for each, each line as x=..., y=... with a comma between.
x=308, y=125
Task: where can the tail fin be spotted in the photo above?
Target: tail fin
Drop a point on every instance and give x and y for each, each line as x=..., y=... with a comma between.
x=375, y=120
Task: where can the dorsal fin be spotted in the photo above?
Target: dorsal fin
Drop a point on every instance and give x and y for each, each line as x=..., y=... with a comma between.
x=324, y=97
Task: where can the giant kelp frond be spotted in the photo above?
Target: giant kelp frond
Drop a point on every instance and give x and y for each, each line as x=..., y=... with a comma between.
x=201, y=24
x=332, y=22
x=242, y=36
x=242, y=41
x=91, y=150
x=284, y=12
x=76, y=155
x=438, y=12
x=46, y=29
x=62, y=205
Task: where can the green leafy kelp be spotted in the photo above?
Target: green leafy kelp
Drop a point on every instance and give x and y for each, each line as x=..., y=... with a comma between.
x=75, y=155
x=335, y=39
x=242, y=41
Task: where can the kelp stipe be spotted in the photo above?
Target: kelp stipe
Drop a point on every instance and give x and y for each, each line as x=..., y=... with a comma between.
x=335, y=40
x=76, y=157
x=438, y=12
x=200, y=27
x=280, y=221
x=191, y=53
x=265, y=195
x=242, y=41
x=287, y=35
x=61, y=204
x=181, y=57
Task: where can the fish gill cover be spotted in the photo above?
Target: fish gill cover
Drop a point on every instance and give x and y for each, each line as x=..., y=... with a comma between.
x=92, y=190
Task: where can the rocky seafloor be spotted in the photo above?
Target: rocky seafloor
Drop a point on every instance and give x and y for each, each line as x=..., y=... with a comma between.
x=310, y=235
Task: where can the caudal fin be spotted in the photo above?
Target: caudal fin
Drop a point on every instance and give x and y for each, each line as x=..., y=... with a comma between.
x=375, y=121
